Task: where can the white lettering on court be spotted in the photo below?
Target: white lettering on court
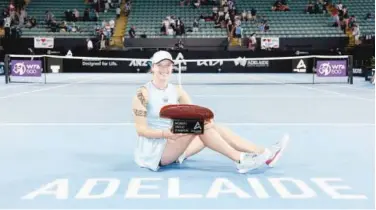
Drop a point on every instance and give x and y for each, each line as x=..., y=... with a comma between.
x=174, y=190
x=332, y=190
x=135, y=185
x=217, y=188
x=306, y=192
x=258, y=188
x=58, y=188
x=86, y=191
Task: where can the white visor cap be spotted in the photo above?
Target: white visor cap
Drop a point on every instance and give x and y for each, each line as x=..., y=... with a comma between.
x=160, y=56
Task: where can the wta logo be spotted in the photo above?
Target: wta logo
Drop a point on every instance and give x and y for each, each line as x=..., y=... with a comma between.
x=26, y=68
x=331, y=68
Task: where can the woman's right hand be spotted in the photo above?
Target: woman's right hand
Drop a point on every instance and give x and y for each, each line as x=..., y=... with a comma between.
x=167, y=134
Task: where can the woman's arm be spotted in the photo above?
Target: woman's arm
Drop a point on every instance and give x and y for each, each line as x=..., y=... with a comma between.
x=139, y=105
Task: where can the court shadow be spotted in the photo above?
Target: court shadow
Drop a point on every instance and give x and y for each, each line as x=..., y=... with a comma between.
x=121, y=164
x=215, y=168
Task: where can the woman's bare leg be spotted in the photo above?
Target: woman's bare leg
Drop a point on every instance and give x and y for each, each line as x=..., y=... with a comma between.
x=230, y=137
x=194, y=147
x=211, y=139
x=175, y=148
x=238, y=142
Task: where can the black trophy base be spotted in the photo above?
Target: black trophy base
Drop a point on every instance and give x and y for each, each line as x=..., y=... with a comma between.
x=188, y=126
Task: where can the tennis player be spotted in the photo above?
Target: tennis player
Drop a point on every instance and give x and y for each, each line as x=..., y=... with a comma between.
x=157, y=146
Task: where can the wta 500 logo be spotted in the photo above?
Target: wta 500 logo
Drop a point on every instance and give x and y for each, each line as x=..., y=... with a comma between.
x=26, y=68
x=335, y=68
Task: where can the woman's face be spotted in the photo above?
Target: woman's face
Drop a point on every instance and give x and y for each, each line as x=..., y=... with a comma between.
x=163, y=70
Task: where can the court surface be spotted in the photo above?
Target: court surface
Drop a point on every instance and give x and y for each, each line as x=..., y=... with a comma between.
x=69, y=145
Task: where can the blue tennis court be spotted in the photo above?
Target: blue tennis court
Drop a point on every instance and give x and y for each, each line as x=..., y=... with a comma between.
x=69, y=144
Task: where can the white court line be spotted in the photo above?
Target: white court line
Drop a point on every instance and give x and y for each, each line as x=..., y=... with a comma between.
x=336, y=85
x=49, y=88
x=17, y=85
x=194, y=95
x=317, y=89
x=7, y=87
x=121, y=124
x=190, y=209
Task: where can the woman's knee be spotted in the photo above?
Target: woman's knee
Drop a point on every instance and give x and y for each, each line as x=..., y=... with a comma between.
x=209, y=125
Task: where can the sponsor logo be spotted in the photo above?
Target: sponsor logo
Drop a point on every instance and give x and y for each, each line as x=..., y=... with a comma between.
x=92, y=63
x=55, y=68
x=210, y=63
x=301, y=67
x=251, y=63
x=26, y=68
x=331, y=68
x=357, y=71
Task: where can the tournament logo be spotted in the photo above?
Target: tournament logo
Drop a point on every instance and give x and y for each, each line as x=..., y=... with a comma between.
x=26, y=68
x=331, y=68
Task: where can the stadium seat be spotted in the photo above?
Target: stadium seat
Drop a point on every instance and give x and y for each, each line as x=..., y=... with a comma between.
x=37, y=9
x=147, y=16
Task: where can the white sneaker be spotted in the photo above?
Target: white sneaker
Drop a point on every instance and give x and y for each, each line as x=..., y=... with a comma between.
x=181, y=158
x=252, y=161
x=277, y=150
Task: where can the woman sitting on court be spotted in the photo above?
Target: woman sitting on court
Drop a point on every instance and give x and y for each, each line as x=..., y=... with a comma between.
x=158, y=146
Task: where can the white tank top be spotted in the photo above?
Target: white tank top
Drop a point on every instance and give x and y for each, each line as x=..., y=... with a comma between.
x=149, y=151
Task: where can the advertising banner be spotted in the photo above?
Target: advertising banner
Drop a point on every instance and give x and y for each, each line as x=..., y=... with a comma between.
x=331, y=68
x=26, y=68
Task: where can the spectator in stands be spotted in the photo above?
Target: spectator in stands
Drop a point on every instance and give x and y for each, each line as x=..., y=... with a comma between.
x=12, y=9
x=345, y=13
x=76, y=15
x=252, y=42
x=31, y=23
x=179, y=45
x=132, y=32
x=244, y=15
x=127, y=8
x=253, y=14
x=107, y=30
x=280, y=6
x=180, y=28
x=118, y=11
x=197, y=4
x=89, y=44
x=351, y=21
x=75, y=28
x=317, y=7
x=112, y=26
x=48, y=17
x=309, y=8
x=356, y=33
x=96, y=17
x=368, y=16
x=343, y=24
x=102, y=41
x=336, y=19
x=106, y=6
x=196, y=25
x=229, y=28
x=264, y=26
x=339, y=5
x=86, y=15
x=215, y=11
x=68, y=15
x=7, y=24
x=238, y=32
